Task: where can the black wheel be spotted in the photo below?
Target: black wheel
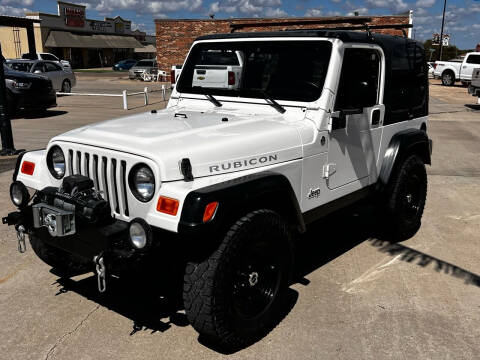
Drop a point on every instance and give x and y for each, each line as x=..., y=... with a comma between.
x=448, y=78
x=66, y=86
x=235, y=297
x=65, y=263
x=406, y=193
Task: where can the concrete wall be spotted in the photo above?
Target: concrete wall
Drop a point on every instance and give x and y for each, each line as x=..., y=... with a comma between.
x=174, y=37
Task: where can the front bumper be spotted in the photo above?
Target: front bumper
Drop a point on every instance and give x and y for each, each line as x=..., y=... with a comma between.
x=36, y=100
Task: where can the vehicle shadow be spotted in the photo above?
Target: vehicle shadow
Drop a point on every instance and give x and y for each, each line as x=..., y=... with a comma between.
x=152, y=309
x=25, y=114
x=473, y=106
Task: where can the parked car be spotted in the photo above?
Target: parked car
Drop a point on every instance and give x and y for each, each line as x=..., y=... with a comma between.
x=218, y=68
x=431, y=70
x=474, y=87
x=28, y=91
x=150, y=66
x=63, y=79
x=124, y=65
x=47, y=56
x=220, y=183
x=452, y=71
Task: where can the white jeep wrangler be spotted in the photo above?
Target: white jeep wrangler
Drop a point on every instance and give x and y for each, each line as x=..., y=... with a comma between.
x=320, y=119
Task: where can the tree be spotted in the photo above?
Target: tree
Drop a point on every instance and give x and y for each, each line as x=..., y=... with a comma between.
x=449, y=52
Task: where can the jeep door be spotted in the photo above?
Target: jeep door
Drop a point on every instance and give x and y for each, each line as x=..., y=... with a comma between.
x=356, y=124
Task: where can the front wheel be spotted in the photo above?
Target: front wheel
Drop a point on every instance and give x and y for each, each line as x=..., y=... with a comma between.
x=406, y=196
x=66, y=86
x=235, y=297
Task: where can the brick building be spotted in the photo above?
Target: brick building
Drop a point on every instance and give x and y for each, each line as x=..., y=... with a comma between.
x=175, y=36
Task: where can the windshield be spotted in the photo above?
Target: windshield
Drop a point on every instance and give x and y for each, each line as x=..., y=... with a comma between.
x=20, y=66
x=285, y=70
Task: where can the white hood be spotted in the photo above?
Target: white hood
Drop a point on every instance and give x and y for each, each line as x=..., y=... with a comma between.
x=212, y=145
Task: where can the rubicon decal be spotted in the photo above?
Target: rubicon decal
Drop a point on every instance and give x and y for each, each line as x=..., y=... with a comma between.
x=243, y=163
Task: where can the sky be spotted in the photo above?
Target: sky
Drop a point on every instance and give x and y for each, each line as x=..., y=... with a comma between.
x=462, y=20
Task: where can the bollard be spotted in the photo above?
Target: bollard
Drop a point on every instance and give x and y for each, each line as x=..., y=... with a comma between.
x=145, y=91
x=125, y=104
x=163, y=92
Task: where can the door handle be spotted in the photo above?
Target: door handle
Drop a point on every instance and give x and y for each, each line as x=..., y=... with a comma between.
x=375, y=117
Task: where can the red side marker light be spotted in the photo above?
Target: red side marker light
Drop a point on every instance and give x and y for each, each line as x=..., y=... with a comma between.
x=167, y=205
x=28, y=168
x=210, y=211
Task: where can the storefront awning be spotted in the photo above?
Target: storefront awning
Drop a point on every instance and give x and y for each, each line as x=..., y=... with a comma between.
x=146, y=49
x=68, y=40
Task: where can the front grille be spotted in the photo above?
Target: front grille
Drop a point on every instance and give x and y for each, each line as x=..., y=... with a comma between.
x=108, y=175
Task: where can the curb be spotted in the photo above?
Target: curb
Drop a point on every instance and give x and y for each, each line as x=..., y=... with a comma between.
x=7, y=163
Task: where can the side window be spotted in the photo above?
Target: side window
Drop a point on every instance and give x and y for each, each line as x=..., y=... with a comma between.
x=51, y=67
x=473, y=59
x=39, y=67
x=49, y=57
x=359, y=80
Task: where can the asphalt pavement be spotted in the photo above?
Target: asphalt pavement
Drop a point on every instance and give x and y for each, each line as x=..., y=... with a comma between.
x=355, y=296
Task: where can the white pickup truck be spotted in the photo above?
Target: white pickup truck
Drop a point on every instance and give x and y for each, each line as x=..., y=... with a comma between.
x=474, y=87
x=218, y=69
x=451, y=71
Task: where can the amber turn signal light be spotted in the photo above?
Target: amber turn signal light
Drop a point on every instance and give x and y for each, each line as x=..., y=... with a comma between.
x=210, y=211
x=167, y=205
x=28, y=168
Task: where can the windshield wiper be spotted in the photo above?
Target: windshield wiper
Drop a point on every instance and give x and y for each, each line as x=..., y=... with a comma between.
x=270, y=100
x=210, y=97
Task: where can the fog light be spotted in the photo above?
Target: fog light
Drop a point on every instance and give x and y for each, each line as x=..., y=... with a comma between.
x=140, y=234
x=19, y=194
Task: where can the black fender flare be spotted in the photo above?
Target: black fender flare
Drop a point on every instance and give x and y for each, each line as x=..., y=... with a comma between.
x=236, y=197
x=402, y=144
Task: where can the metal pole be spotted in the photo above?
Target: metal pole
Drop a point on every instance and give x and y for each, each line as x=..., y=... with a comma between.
x=5, y=124
x=441, y=31
x=145, y=91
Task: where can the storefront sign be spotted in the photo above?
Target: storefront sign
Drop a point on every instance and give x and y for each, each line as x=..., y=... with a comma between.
x=98, y=26
x=74, y=17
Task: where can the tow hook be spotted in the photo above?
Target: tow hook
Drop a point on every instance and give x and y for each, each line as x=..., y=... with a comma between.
x=100, y=270
x=21, y=238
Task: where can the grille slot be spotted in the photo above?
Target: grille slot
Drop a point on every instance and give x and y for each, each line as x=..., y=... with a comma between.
x=108, y=175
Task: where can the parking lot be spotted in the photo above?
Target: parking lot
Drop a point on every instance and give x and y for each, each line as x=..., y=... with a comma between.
x=355, y=296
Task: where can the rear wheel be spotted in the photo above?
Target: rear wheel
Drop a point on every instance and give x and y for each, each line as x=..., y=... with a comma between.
x=235, y=297
x=60, y=260
x=448, y=78
x=406, y=196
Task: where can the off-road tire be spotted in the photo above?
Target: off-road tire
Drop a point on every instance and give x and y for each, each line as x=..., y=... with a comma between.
x=63, y=262
x=448, y=78
x=211, y=289
x=406, y=196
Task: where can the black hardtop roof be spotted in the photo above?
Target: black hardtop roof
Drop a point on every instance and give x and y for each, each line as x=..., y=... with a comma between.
x=385, y=41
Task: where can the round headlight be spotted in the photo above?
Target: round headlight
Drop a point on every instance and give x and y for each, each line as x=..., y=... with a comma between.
x=142, y=182
x=19, y=194
x=140, y=234
x=56, y=162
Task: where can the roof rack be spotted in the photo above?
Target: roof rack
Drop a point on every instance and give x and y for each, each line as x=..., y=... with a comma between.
x=364, y=26
x=339, y=20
